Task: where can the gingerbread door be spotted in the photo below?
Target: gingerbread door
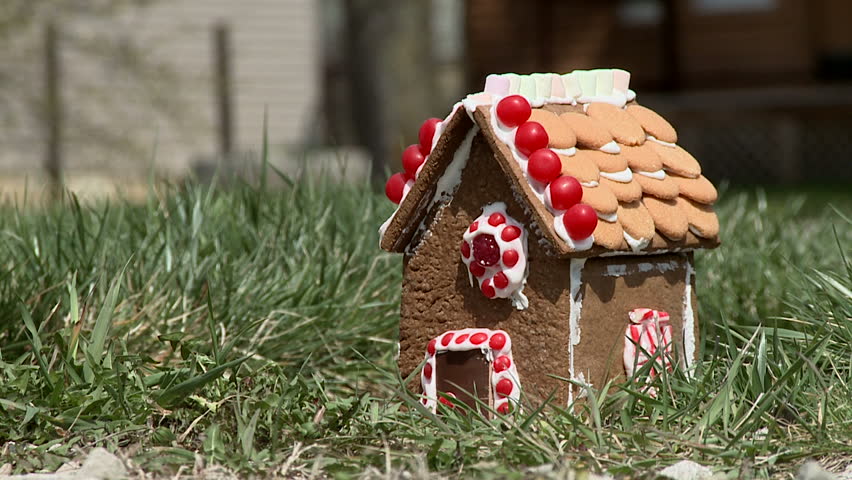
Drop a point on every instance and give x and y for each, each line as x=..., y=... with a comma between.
x=473, y=366
x=465, y=376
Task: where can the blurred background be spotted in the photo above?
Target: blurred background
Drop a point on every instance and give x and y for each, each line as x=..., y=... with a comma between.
x=99, y=95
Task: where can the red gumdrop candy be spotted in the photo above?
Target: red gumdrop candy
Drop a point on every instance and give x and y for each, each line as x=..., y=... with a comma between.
x=427, y=371
x=412, y=159
x=476, y=269
x=504, y=387
x=496, y=218
x=426, y=134
x=465, y=249
x=513, y=110
x=510, y=233
x=394, y=187
x=530, y=137
x=488, y=290
x=504, y=408
x=498, y=341
x=431, y=346
x=565, y=192
x=486, y=252
x=510, y=258
x=478, y=338
x=580, y=221
x=500, y=363
x=544, y=165
x=501, y=280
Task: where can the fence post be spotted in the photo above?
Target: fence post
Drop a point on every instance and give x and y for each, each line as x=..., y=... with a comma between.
x=53, y=110
x=224, y=88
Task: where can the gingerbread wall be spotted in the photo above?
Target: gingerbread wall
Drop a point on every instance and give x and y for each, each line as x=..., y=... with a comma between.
x=612, y=286
x=437, y=295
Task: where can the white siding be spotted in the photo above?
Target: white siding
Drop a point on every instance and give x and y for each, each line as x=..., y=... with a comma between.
x=276, y=65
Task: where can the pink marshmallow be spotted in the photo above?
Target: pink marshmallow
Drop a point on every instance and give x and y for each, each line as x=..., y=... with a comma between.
x=496, y=84
x=620, y=80
x=557, y=89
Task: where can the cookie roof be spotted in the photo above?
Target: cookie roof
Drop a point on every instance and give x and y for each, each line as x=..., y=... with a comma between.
x=648, y=192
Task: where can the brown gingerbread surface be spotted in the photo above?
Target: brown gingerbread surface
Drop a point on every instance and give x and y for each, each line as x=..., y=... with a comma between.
x=608, y=295
x=437, y=295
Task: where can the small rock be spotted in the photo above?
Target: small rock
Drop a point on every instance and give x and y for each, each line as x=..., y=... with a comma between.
x=686, y=470
x=811, y=470
x=101, y=465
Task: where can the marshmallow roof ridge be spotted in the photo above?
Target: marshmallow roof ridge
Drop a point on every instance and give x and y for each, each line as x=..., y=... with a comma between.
x=579, y=86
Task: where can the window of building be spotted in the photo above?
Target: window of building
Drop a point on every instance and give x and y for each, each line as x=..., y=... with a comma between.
x=638, y=13
x=732, y=6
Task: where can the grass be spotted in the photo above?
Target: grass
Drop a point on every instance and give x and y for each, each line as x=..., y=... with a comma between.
x=255, y=330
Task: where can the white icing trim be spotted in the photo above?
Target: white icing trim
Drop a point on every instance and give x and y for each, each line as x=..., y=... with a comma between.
x=619, y=99
x=592, y=184
x=474, y=100
x=609, y=218
x=576, y=305
x=659, y=174
x=429, y=385
x=450, y=180
x=631, y=95
x=440, y=127
x=507, y=136
x=689, y=321
x=568, y=152
x=636, y=244
x=516, y=274
x=615, y=270
x=624, y=176
x=577, y=245
x=654, y=139
x=611, y=147
x=448, y=183
x=696, y=232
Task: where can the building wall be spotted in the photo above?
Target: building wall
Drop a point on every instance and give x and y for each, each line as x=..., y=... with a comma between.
x=171, y=116
x=706, y=44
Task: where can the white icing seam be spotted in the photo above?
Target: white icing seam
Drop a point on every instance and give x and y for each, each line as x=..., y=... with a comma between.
x=689, y=321
x=611, y=147
x=624, y=176
x=654, y=139
x=696, y=232
x=619, y=99
x=659, y=174
x=429, y=382
x=568, y=152
x=615, y=270
x=609, y=218
x=576, y=305
x=592, y=184
x=448, y=183
x=450, y=180
x=579, y=245
x=636, y=244
x=440, y=127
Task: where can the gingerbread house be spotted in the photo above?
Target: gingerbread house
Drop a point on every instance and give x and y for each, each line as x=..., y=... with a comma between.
x=547, y=227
